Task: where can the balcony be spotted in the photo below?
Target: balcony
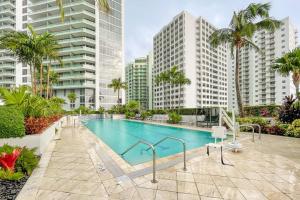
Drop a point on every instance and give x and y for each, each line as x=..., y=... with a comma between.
x=74, y=85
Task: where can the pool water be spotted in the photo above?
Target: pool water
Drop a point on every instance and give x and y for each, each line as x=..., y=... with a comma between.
x=121, y=134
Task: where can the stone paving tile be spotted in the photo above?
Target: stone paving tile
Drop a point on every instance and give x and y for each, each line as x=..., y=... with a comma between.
x=163, y=195
x=183, y=196
x=260, y=171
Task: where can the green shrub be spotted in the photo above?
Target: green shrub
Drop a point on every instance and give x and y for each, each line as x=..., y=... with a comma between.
x=11, y=176
x=145, y=114
x=117, y=109
x=174, y=118
x=11, y=122
x=84, y=110
x=252, y=120
x=27, y=161
x=132, y=106
x=129, y=115
x=294, y=129
x=101, y=110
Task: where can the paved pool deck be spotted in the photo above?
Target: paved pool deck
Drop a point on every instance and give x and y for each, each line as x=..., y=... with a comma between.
x=77, y=166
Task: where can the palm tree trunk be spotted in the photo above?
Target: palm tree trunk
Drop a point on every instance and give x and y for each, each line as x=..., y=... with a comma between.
x=41, y=80
x=237, y=82
x=34, y=80
x=31, y=74
x=179, y=99
x=48, y=80
x=118, y=101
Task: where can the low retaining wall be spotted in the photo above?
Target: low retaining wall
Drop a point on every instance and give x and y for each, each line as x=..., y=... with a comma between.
x=39, y=141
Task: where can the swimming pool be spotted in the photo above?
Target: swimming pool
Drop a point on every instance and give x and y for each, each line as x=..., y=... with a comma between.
x=120, y=134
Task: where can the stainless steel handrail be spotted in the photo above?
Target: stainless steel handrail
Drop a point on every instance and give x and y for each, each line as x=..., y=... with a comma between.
x=248, y=126
x=177, y=139
x=259, y=128
x=153, y=156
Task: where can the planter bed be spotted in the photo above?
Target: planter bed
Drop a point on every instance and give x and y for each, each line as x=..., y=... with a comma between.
x=9, y=190
x=39, y=141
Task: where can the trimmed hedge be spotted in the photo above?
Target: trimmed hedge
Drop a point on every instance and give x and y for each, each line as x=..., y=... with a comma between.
x=11, y=122
x=262, y=111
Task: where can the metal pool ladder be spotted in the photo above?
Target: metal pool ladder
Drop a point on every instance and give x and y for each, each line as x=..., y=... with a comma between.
x=153, y=156
x=183, y=146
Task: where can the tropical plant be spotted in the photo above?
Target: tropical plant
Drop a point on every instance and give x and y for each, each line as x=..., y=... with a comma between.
x=294, y=129
x=30, y=49
x=118, y=85
x=72, y=98
x=101, y=110
x=174, y=118
x=288, y=112
x=8, y=160
x=132, y=106
x=241, y=29
x=15, y=97
x=290, y=64
x=8, y=175
x=102, y=4
x=27, y=161
x=11, y=122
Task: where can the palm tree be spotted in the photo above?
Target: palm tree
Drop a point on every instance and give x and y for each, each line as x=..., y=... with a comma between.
x=181, y=80
x=118, y=85
x=241, y=29
x=162, y=78
x=290, y=63
x=72, y=98
x=53, y=78
x=30, y=49
x=49, y=49
x=102, y=4
x=20, y=44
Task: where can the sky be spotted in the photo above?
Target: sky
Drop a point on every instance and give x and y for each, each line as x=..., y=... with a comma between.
x=145, y=18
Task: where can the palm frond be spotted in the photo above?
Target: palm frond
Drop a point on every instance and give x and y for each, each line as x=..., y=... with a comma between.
x=255, y=10
x=269, y=24
x=221, y=36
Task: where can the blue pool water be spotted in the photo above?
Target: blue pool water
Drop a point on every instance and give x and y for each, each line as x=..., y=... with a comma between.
x=120, y=134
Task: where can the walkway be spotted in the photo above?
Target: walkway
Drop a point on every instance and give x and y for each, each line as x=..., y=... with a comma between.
x=264, y=170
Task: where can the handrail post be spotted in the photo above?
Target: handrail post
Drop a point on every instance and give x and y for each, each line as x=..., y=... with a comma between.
x=184, y=156
x=183, y=146
x=153, y=156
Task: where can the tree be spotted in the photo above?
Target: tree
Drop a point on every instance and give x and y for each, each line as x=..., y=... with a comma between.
x=168, y=76
x=181, y=80
x=31, y=49
x=162, y=78
x=118, y=85
x=290, y=64
x=102, y=4
x=241, y=29
x=53, y=78
x=72, y=98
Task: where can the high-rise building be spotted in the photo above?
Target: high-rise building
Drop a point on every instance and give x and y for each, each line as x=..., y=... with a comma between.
x=91, y=46
x=184, y=42
x=12, y=17
x=259, y=84
x=138, y=77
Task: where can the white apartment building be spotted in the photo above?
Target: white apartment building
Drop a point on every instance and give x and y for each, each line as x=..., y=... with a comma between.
x=184, y=42
x=91, y=46
x=259, y=84
x=12, y=17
